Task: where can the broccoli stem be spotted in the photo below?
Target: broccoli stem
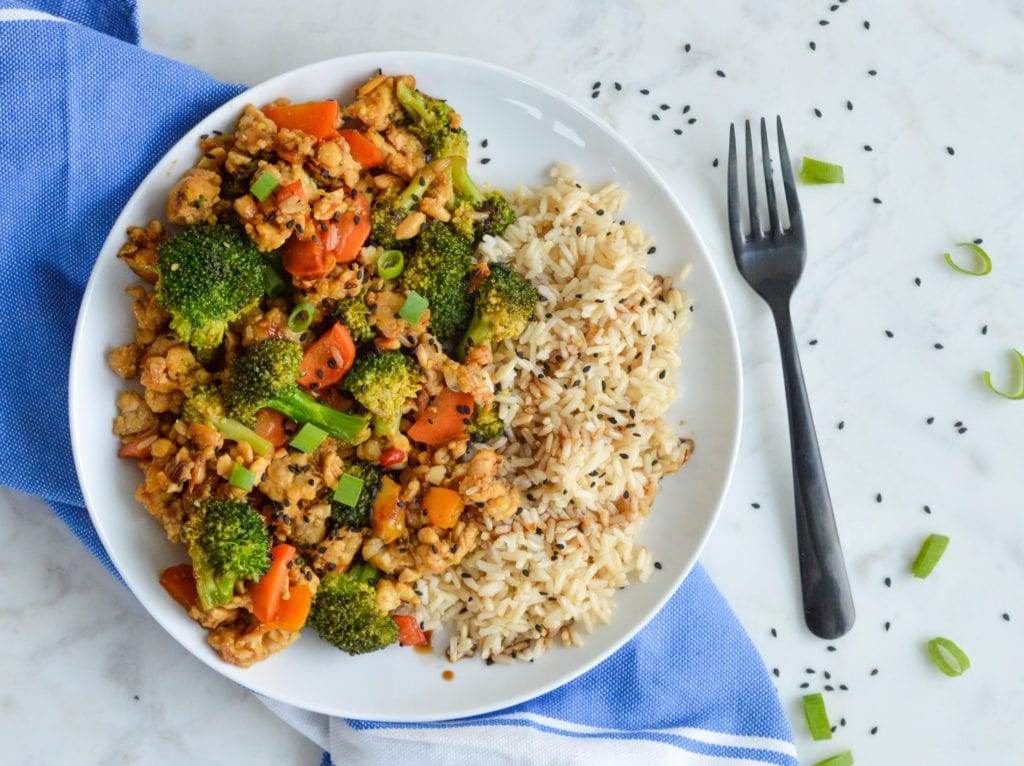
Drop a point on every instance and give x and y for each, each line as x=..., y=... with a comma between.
x=465, y=185
x=412, y=100
x=303, y=408
x=212, y=590
x=477, y=334
x=235, y=431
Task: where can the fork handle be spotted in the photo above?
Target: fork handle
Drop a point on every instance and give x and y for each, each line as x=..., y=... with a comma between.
x=827, y=600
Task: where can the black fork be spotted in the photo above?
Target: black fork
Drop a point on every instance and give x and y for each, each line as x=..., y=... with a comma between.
x=771, y=262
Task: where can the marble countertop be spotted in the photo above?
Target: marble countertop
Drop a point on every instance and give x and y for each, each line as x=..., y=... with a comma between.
x=920, y=102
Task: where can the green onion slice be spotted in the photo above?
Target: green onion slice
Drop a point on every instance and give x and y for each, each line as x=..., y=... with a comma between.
x=981, y=255
x=1020, y=392
x=390, y=264
x=301, y=317
x=413, y=308
x=348, y=490
x=931, y=551
x=308, y=438
x=817, y=716
x=948, y=657
x=818, y=172
x=241, y=477
x=263, y=185
x=842, y=759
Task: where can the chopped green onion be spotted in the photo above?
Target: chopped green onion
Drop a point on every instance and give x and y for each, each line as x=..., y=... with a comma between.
x=390, y=264
x=948, y=657
x=1020, y=392
x=241, y=477
x=308, y=438
x=301, y=317
x=982, y=256
x=413, y=308
x=348, y=490
x=817, y=716
x=818, y=172
x=842, y=759
x=263, y=185
x=273, y=285
x=931, y=551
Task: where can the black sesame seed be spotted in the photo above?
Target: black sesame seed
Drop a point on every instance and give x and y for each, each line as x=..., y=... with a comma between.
x=714, y=162
x=867, y=25
x=1006, y=616
x=775, y=672
x=755, y=505
x=874, y=730
x=812, y=45
x=950, y=150
x=887, y=626
x=817, y=112
x=644, y=91
x=874, y=672
x=810, y=671
x=876, y=200
x=830, y=688
x=939, y=346
x=775, y=633
x=830, y=648
x=823, y=23
x=484, y=160
x=878, y=497
x=804, y=685
x=813, y=342
x=841, y=425
x=888, y=333
x=596, y=85
x=595, y=94
x=677, y=131
x=927, y=509
x=720, y=73
x=618, y=86
x=686, y=47
x=657, y=565
x=849, y=105
x=655, y=117
x=984, y=329
x=867, y=148
x=872, y=72
x=888, y=582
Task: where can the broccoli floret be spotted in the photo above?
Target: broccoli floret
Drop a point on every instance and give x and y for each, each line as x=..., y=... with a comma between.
x=505, y=304
x=358, y=516
x=485, y=425
x=364, y=572
x=353, y=312
x=205, y=405
x=383, y=383
x=430, y=120
x=265, y=376
x=345, y=614
x=208, y=276
x=438, y=269
x=227, y=542
x=391, y=207
x=475, y=210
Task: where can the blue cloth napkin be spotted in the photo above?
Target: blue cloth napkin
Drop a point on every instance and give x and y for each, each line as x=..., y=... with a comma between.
x=84, y=114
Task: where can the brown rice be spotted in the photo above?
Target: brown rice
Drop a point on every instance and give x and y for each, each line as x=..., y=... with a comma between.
x=585, y=391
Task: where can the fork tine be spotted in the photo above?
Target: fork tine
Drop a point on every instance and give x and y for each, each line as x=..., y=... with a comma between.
x=766, y=157
x=788, y=184
x=735, y=225
x=755, y=216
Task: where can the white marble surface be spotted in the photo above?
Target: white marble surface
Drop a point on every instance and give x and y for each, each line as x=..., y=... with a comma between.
x=87, y=677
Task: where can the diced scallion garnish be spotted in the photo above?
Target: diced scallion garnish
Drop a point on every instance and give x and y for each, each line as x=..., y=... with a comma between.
x=819, y=172
x=817, y=716
x=948, y=657
x=264, y=185
x=241, y=477
x=348, y=490
x=841, y=759
x=301, y=317
x=931, y=551
x=390, y=264
x=1020, y=378
x=985, y=263
x=413, y=308
x=308, y=438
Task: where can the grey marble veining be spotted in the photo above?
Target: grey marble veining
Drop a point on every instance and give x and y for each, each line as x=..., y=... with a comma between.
x=87, y=677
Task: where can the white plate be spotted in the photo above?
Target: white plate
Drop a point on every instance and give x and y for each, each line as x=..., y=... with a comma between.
x=528, y=127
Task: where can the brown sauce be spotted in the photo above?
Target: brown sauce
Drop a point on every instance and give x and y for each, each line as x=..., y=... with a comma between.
x=448, y=675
